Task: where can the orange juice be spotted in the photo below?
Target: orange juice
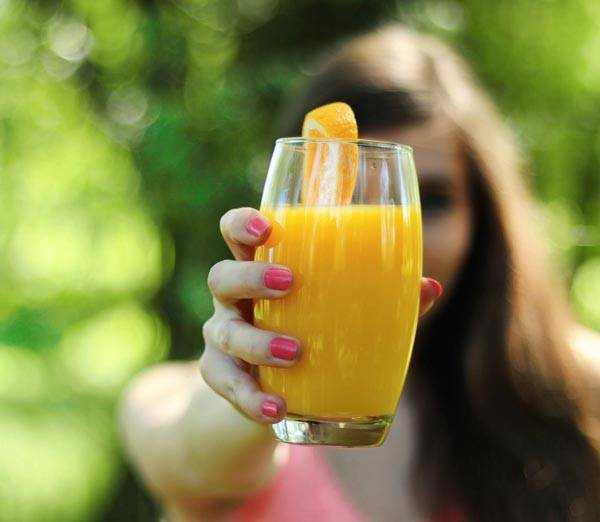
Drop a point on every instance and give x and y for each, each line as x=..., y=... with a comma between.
x=353, y=307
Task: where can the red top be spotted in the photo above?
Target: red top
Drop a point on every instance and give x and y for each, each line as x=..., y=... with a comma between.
x=306, y=490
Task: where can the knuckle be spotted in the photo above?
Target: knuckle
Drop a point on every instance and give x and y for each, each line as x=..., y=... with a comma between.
x=204, y=366
x=223, y=336
x=230, y=391
x=207, y=329
x=234, y=388
x=214, y=276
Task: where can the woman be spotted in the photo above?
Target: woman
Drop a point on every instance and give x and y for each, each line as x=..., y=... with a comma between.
x=499, y=418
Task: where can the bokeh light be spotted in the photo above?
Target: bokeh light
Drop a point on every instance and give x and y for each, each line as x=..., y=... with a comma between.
x=101, y=354
x=128, y=127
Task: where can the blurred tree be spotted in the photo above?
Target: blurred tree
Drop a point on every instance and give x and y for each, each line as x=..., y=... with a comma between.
x=128, y=127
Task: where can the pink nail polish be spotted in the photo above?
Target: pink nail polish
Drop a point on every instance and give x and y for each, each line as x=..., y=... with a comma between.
x=277, y=278
x=270, y=409
x=256, y=226
x=286, y=349
x=436, y=286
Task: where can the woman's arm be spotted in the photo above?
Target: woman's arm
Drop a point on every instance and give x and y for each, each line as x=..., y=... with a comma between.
x=194, y=451
x=198, y=453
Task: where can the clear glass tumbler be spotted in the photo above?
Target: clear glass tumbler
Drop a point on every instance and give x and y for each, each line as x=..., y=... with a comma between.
x=347, y=221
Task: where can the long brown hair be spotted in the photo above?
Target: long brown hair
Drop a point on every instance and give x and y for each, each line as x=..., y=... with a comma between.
x=507, y=392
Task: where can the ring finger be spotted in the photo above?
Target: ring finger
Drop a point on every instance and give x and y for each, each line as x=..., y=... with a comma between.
x=239, y=339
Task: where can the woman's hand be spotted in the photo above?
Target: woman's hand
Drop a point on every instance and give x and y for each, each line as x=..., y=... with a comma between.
x=232, y=345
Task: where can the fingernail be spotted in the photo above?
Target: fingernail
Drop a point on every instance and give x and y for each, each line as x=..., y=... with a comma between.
x=270, y=409
x=277, y=278
x=436, y=287
x=256, y=226
x=282, y=348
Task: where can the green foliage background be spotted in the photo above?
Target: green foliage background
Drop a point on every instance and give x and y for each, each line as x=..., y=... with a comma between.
x=128, y=127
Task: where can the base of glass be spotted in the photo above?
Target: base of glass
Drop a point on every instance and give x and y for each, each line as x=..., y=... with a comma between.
x=355, y=432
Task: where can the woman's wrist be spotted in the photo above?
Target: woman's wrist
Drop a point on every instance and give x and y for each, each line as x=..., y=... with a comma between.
x=233, y=455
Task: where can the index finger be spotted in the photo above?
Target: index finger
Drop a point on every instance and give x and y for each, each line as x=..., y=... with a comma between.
x=244, y=229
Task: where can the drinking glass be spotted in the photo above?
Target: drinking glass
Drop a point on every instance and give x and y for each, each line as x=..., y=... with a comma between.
x=347, y=221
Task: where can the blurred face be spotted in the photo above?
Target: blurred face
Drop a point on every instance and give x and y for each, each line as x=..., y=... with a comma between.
x=445, y=201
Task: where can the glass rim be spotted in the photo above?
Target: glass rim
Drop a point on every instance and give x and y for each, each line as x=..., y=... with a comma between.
x=375, y=144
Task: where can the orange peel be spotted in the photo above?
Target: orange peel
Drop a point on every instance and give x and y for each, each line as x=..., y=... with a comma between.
x=330, y=168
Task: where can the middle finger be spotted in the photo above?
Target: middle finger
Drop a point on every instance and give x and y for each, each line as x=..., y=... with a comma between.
x=244, y=341
x=232, y=280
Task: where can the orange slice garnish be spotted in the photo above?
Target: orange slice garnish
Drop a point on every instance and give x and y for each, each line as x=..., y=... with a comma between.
x=330, y=168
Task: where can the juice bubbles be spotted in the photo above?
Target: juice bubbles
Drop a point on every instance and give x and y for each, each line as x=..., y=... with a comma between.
x=353, y=307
